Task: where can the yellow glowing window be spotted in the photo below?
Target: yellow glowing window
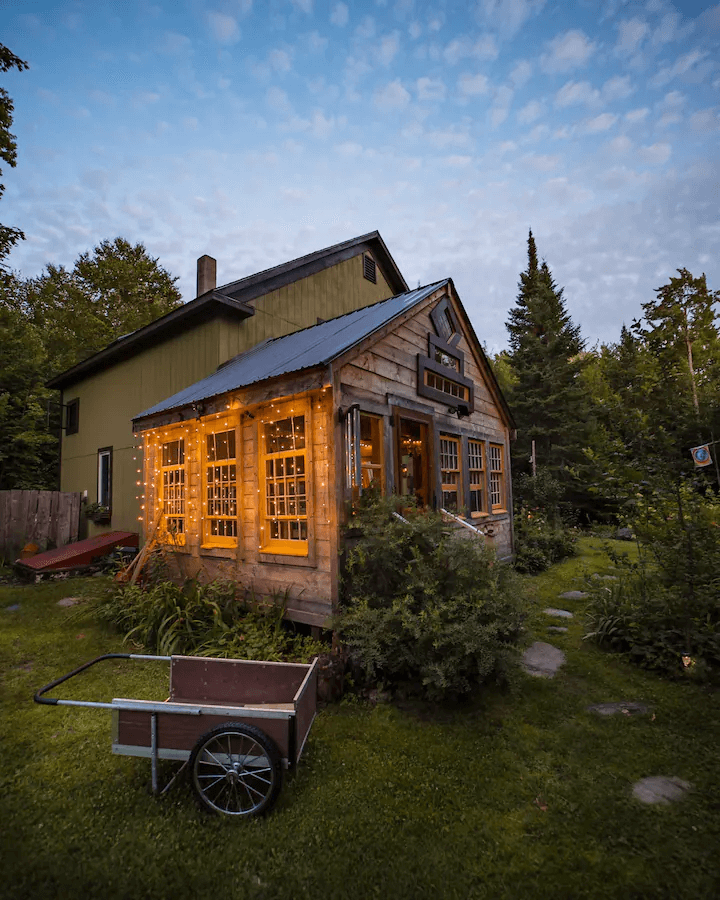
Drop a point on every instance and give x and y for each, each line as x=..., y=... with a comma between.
x=445, y=385
x=497, y=479
x=221, y=489
x=286, y=497
x=173, y=489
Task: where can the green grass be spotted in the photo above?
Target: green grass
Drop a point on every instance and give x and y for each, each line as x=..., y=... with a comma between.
x=519, y=794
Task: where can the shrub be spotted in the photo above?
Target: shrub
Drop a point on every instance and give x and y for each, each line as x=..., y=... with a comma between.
x=666, y=607
x=204, y=620
x=539, y=543
x=424, y=609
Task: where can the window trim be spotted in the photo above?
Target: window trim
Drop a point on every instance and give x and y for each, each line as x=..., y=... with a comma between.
x=501, y=506
x=437, y=343
x=72, y=416
x=269, y=548
x=456, y=439
x=444, y=306
x=208, y=540
x=425, y=364
x=482, y=512
x=173, y=537
x=353, y=451
x=105, y=453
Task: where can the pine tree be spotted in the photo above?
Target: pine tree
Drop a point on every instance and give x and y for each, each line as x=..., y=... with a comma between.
x=547, y=397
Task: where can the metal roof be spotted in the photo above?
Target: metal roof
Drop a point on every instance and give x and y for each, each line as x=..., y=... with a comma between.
x=306, y=349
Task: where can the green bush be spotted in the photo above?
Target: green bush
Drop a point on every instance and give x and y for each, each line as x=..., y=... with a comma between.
x=424, y=610
x=539, y=543
x=204, y=620
x=667, y=606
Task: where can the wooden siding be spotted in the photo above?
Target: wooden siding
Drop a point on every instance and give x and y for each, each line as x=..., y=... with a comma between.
x=305, y=583
x=46, y=518
x=382, y=376
x=109, y=399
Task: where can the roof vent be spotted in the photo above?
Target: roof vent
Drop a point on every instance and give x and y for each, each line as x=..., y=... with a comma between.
x=206, y=275
x=369, y=269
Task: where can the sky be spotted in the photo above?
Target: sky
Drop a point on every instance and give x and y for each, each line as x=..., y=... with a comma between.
x=260, y=130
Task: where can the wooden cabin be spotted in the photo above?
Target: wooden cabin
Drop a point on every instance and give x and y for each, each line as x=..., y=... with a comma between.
x=101, y=394
x=250, y=471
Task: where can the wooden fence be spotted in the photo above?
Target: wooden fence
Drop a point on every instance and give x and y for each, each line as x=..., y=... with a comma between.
x=46, y=518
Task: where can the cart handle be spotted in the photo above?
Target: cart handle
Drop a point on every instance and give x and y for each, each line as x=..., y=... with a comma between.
x=54, y=701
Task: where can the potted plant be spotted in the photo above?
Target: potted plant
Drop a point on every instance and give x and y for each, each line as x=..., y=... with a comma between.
x=98, y=513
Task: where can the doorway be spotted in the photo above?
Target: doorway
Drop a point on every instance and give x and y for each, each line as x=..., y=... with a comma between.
x=414, y=460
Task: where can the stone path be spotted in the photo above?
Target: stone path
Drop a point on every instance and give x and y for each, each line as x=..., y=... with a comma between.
x=542, y=660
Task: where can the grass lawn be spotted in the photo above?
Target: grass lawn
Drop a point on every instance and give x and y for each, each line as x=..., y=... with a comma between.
x=519, y=794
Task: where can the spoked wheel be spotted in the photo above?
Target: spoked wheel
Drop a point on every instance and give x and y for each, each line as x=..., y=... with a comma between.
x=236, y=770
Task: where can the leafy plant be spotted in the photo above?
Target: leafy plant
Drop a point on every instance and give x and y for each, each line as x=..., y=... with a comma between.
x=424, y=610
x=540, y=543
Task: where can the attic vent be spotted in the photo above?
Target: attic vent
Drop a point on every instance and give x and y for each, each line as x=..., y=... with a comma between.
x=369, y=269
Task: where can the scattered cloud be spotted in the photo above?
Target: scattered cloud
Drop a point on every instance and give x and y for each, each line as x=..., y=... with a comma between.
x=568, y=51
x=305, y=6
x=705, y=120
x=501, y=105
x=387, y=49
x=508, y=16
x=175, y=44
x=670, y=109
x=681, y=67
x=223, y=28
x=430, y=89
x=617, y=88
x=637, y=115
x=473, y=85
x=280, y=60
x=391, y=97
x=577, y=93
x=521, y=73
x=603, y=122
x=631, y=33
x=340, y=15
x=530, y=112
x=656, y=154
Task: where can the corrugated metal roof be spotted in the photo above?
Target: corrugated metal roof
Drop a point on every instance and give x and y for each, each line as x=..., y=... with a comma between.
x=306, y=349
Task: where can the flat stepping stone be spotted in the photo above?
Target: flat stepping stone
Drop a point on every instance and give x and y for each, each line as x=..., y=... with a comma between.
x=542, y=660
x=573, y=595
x=660, y=789
x=597, y=577
x=558, y=613
x=68, y=601
x=558, y=629
x=626, y=707
x=14, y=607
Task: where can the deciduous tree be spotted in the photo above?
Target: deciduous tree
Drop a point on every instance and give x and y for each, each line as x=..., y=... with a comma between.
x=8, y=147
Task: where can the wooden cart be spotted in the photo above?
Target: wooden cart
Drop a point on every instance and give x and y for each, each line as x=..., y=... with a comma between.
x=234, y=723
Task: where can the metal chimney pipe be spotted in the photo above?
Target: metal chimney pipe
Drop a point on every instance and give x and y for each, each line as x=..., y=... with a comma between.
x=206, y=275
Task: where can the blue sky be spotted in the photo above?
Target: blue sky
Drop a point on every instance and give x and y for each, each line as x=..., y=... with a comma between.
x=260, y=131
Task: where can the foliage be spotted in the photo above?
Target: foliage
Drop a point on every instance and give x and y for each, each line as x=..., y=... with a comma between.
x=203, y=620
x=666, y=606
x=8, y=147
x=546, y=359
x=53, y=322
x=414, y=802
x=424, y=609
x=540, y=542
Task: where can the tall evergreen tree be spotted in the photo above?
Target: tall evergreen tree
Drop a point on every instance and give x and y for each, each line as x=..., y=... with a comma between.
x=547, y=397
x=8, y=147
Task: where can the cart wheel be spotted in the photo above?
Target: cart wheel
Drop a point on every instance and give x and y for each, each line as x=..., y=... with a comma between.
x=236, y=770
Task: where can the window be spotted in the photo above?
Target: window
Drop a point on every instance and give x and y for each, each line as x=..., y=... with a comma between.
x=72, y=416
x=445, y=359
x=173, y=488
x=364, y=451
x=497, y=480
x=286, y=518
x=104, y=475
x=445, y=385
x=476, y=472
x=445, y=321
x=450, y=471
x=221, y=488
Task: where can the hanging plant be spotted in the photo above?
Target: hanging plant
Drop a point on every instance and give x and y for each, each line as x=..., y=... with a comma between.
x=98, y=513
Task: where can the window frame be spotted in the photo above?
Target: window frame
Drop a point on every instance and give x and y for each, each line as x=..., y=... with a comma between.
x=498, y=472
x=270, y=546
x=208, y=539
x=354, y=464
x=480, y=486
x=425, y=364
x=105, y=453
x=457, y=486
x=174, y=537
x=72, y=416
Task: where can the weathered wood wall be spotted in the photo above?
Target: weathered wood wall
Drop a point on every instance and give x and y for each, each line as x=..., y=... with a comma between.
x=45, y=518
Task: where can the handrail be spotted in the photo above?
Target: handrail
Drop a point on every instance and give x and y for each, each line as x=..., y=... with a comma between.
x=401, y=518
x=462, y=522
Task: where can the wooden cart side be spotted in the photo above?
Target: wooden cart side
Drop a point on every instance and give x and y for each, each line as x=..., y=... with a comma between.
x=178, y=734
x=201, y=680
x=305, y=708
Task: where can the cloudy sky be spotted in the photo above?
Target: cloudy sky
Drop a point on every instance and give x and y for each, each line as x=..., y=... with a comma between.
x=260, y=130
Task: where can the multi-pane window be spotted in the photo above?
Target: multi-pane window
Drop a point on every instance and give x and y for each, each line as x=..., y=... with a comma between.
x=497, y=481
x=476, y=472
x=173, y=486
x=450, y=471
x=221, y=488
x=445, y=385
x=285, y=483
x=445, y=359
x=371, y=451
